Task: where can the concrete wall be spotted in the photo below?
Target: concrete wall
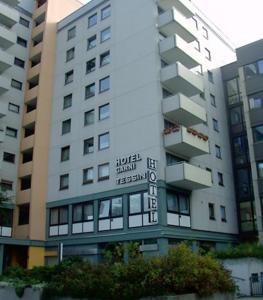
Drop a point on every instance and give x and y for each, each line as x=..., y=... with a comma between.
x=241, y=271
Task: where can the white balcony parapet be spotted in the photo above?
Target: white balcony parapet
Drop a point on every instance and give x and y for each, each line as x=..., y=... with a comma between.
x=187, y=176
x=183, y=110
x=173, y=22
x=4, y=84
x=186, y=142
x=184, y=6
x=6, y=60
x=174, y=49
x=178, y=79
x=8, y=15
x=7, y=37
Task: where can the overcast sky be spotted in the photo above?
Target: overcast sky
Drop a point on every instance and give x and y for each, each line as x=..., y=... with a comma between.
x=239, y=20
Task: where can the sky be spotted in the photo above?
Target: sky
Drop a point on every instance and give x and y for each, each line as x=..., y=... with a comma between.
x=239, y=20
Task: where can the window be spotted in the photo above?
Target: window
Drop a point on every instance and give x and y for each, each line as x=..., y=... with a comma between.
x=105, y=12
x=172, y=159
x=70, y=54
x=9, y=157
x=210, y=170
x=139, y=210
x=104, y=141
x=244, y=182
x=67, y=101
x=91, y=65
x=82, y=218
x=258, y=133
x=213, y=100
x=104, y=58
x=215, y=125
x=25, y=183
x=92, y=20
x=21, y=42
x=88, y=146
x=256, y=101
x=11, y=132
x=58, y=221
x=218, y=151
x=6, y=185
x=220, y=179
x=13, y=107
x=103, y=172
x=205, y=33
x=105, y=35
x=89, y=117
x=66, y=126
x=104, y=111
x=65, y=153
x=253, y=69
x=24, y=22
x=236, y=115
x=16, y=84
x=207, y=54
x=88, y=176
x=104, y=84
x=177, y=203
x=247, y=217
x=110, y=214
x=71, y=33
x=69, y=77
x=223, y=213
x=90, y=91
x=91, y=42
x=210, y=76
x=64, y=182
x=260, y=169
x=211, y=208
x=19, y=62
x=233, y=93
x=23, y=217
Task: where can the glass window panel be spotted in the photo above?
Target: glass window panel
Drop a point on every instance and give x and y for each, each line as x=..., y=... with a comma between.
x=250, y=70
x=90, y=91
x=184, y=204
x=104, y=171
x=104, y=209
x=260, y=66
x=105, y=34
x=88, y=146
x=236, y=115
x=105, y=58
x=63, y=215
x=105, y=12
x=77, y=213
x=223, y=213
x=104, y=141
x=88, y=212
x=54, y=216
x=135, y=205
x=172, y=202
x=243, y=182
x=116, y=207
x=92, y=20
x=67, y=101
x=104, y=84
x=91, y=42
x=91, y=65
x=258, y=133
x=260, y=169
x=104, y=111
x=89, y=117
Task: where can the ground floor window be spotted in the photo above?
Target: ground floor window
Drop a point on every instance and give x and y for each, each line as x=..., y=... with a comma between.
x=110, y=214
x=83, y=218
x=178, y=209
x=6, y=220
x=58, y=221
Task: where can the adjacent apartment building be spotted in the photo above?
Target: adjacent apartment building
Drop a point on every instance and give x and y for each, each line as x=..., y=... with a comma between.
x=123, y=129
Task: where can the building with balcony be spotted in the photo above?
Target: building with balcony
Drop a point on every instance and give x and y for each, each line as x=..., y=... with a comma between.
x=122, y=133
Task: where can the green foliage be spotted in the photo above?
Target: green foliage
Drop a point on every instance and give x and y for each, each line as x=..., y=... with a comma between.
x=181, y=271
x=242, y=250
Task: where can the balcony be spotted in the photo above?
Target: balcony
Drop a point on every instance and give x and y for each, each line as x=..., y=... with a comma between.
x=33, y=72
x=38, y=31
x=4, y=84
x=6, y=60
x=36, y=50
x=8, y=15
x=185, y=142
x=29, y=118
x=189, y=177
x=174, y=48
x=7, y=37
x=31, y=94
x=178, y=79
x=183, y=110
x=3, y=109
x=40, y=11
x=25, y=169
x=184, y=6
x=172, y=22
x=27, y=143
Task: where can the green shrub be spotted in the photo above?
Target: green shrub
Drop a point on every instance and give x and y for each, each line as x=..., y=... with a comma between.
x=240, y=251
x=181, y=271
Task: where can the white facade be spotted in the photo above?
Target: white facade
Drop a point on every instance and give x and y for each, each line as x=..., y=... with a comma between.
x=136, y=121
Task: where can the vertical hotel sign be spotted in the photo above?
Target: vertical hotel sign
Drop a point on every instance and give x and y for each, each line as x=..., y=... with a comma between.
x=152, y=190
